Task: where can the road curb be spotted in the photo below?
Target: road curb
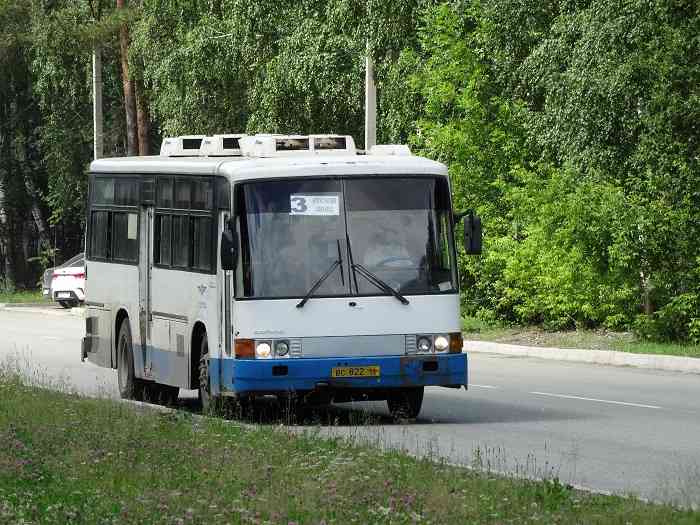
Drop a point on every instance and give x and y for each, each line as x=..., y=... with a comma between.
x=76, y=312
x=689, y=365
x=26, y=305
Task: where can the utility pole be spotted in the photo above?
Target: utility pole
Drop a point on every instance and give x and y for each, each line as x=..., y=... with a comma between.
x=370, y=104
x=97, y=102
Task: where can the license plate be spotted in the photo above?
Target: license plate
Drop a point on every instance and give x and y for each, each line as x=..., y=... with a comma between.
x=355, y=371
x=61, y=295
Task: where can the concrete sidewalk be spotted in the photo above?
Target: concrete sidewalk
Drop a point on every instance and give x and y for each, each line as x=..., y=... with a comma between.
x=669, y=363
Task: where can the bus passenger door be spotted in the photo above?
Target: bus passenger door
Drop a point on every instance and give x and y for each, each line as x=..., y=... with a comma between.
x=225, y=279
x=143, y=358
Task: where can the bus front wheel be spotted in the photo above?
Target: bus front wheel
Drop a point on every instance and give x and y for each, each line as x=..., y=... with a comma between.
x=209, y=402
x=405, y=403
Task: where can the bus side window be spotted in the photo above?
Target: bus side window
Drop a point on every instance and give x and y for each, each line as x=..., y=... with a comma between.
x=183, y=191
x=181, y=240
x=203, y=195
x=124, y=237
x=99, y=235
x=202, y=243
x=164, y=197
x=103, y=191
x=184, y=223
x=126, y=192
x=162, y=237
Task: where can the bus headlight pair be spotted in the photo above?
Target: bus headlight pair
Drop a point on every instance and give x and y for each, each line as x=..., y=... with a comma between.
x=426, y=344
x=252, y=349
x=263, y=350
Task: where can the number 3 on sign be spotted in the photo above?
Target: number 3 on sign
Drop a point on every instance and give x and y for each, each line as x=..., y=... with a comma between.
x=319, y=204
x=298, y=204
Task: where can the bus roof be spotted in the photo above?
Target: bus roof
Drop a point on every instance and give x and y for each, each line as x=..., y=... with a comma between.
x=247, y=168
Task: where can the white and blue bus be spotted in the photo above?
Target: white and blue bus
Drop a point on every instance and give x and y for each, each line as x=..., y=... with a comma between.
x=247, y=266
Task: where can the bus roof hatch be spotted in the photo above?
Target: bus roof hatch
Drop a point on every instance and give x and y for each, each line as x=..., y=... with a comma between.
x=264, y=145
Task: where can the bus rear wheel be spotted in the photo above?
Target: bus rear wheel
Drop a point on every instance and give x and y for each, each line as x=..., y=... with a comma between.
x=129, y=386
x=405, y=403
x=161, y=394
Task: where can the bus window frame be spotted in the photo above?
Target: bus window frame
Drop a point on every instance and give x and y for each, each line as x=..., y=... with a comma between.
x=189, y=213
x=111, y=209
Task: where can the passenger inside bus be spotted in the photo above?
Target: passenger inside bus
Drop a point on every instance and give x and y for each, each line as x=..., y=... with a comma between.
x=385, y=250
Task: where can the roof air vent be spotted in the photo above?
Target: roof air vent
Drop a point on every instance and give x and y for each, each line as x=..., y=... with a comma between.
x=227, y=145
x=186, y=146
x=264, y=145
x=398, y=150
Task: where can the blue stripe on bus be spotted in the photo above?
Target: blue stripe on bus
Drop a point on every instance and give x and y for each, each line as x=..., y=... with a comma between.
x=302, y=374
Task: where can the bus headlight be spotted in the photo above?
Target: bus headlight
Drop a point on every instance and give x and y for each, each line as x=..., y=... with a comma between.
x=424, y=344
x=263, y=350
x=441, y=343
x=281, y=348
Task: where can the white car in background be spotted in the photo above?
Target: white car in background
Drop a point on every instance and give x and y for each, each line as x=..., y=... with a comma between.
x=68, y=282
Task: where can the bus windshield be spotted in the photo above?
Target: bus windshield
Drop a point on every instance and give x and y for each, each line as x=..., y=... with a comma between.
x=294, y=231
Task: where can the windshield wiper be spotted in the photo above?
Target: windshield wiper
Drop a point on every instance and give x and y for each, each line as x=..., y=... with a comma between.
x=379, y=283
x=340, y=261
x=318, y=283
x=352, y=265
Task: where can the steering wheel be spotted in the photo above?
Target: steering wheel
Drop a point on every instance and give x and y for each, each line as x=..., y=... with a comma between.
x=394, y=258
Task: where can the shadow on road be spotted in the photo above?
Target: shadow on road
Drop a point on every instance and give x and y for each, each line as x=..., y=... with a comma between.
x=269, y=411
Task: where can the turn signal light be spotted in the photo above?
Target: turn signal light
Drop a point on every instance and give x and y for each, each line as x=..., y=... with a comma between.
x=245, y=348
x=456, y=343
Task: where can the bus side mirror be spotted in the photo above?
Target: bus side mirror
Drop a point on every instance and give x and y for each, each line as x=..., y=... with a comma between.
x=472, y=234
x=229, y=249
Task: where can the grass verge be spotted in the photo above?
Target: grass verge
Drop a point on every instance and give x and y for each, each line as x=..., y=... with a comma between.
x=476, y=329
x=22, y=296
x=67, y=459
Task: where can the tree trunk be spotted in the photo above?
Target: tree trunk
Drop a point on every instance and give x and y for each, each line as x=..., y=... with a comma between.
x=144, y=121
x=647, y=304
x=39, y=222
x=8, y=280
x=7, y=273
x=128, y=85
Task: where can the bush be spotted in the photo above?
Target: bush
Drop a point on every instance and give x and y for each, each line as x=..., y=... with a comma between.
x=679, y=319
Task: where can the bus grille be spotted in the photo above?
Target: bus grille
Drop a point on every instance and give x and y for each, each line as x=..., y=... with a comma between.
x=295, y=347
x=411, y=347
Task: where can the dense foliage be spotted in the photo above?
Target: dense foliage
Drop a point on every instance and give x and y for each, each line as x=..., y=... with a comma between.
x=570, y=126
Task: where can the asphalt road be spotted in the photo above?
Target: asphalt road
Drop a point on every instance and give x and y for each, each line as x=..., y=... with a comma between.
x=624, y=430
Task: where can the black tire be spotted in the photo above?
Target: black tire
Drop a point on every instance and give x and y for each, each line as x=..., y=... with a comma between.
x=65, y=304
x=129, y=386
x=405, y=403
x=210, y=404
x=237, y=408
x=161, y=394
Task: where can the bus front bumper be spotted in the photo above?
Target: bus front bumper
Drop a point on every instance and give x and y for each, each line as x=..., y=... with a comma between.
x=272, y=376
